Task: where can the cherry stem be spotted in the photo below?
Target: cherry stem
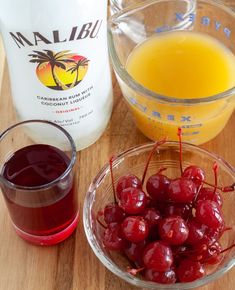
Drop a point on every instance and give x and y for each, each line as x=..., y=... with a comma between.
x=229, y=248
x=157, y=144
x=215, y=169
x=228, y=188
x=188, y=252
x=227, y=229
x=134, y=271
x=196, y=196
x=180, y=141
x=161, y=170
x=223, y=189
x=112, y=178
x=102, y=225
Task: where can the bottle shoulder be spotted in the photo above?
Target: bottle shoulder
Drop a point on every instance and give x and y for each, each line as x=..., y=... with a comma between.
x=44, y=13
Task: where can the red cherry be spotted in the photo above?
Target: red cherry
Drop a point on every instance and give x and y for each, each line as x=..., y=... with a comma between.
x=207, y=193
x=112, y=238
x=182, y=190
x=129, y=180
x=173, y=230
x=196, y=231
x=133, y=200
x=135, y=228
x=180, y=252
x=189, y=270
x=214, y=254
x=152, y=216
x=134, y=252
x=157, y=186
x=208, y=213
x=208, y=254
x=215, y=234
x=204, y=244
x=158, y=255
x=167, y=277
x=195, y=173
x=181, y=209
x=210, y=237
x=113, y=213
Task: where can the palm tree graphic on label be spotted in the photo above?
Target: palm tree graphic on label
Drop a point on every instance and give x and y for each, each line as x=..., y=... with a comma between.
x=59, y=71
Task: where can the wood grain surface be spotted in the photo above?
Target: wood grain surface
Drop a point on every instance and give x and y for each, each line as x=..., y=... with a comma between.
x=72, y=265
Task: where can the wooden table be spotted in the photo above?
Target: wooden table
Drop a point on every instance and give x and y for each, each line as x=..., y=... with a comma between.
x=72, y=265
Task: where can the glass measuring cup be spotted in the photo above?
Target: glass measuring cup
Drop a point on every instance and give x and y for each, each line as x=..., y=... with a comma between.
x=158, y=115
x=118, y=5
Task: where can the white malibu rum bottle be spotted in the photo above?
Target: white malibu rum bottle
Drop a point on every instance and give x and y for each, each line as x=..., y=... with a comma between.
x=58, y=63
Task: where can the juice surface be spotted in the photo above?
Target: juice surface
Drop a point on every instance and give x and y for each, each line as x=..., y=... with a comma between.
x=35, y=165
x=182, y=65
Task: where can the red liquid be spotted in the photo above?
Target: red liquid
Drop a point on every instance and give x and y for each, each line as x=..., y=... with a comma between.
x=40, y=212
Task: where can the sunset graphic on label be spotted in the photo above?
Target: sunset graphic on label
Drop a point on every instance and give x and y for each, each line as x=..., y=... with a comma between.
x=59, y=71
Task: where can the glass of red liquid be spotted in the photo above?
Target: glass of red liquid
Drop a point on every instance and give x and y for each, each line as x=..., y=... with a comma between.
x=37, y=181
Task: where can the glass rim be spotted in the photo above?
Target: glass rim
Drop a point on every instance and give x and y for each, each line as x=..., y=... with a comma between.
x=136, y=86
x=105, y=260
x=49, y=184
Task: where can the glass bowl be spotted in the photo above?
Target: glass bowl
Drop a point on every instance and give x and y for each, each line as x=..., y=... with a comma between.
x=133, y=161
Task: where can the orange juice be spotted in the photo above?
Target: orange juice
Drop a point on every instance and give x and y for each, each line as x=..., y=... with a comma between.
x=181, y=65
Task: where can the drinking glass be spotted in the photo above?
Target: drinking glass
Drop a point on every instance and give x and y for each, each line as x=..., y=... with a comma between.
x=37, y=181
